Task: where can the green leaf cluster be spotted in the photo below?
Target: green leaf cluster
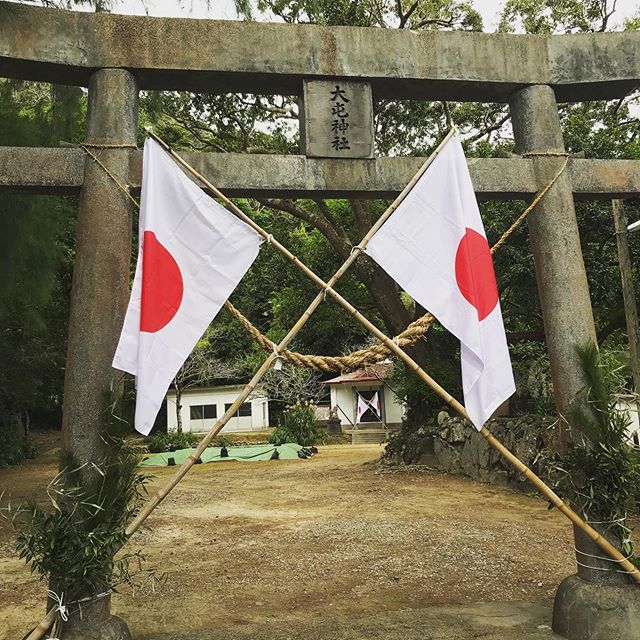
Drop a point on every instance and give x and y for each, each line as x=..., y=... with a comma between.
x=36, y=258
x=557, y=16
x=74, y=541
x=600, y=472
x=299, y=422
x=15, y=444
x=171, y=441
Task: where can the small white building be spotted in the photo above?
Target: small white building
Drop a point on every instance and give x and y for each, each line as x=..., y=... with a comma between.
x=201, y=408
x=366, y=383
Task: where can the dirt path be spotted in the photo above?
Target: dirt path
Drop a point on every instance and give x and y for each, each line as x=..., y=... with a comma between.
x=249, y=543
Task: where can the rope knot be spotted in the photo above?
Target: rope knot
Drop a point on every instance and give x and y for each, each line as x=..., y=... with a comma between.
x=62, y=610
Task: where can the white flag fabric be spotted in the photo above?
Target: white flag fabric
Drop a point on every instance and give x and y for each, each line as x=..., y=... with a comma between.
x=363, y=405
x=435, y=247
x=361, y=408
x=192, y=254
x=374, y=405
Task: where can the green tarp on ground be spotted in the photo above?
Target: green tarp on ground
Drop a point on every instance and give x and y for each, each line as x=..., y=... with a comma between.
x=287, y=451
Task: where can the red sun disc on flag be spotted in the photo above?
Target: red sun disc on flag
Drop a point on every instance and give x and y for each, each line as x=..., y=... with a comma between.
x=475, y=276
x=162, y=286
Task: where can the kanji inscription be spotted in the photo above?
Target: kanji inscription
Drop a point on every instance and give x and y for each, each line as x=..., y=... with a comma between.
x=337, y=119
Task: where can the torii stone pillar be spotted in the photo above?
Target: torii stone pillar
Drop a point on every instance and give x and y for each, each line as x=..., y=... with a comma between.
x=555, y=241
x=582, y=609
x=99, y=294
x=102, y=263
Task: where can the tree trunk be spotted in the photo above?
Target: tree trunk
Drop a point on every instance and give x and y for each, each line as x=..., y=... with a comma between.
x=384, y=292
x=382, y=288
x=178, y=407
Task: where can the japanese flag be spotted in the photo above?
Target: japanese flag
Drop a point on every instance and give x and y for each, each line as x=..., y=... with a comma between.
x=435, y=247
x=192, y=254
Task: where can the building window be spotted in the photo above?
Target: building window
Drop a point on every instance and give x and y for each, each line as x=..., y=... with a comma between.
x=203, y=411
x=243, y=412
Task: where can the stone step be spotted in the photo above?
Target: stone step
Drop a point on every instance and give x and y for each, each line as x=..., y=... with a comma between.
x=368, y=436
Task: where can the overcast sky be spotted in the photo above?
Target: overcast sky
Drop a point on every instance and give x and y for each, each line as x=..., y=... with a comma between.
x=224, y=9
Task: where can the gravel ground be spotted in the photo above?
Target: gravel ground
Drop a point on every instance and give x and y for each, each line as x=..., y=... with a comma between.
x=337, y=543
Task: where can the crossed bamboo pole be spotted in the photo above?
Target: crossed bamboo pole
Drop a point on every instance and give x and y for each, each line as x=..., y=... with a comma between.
x=327, y=289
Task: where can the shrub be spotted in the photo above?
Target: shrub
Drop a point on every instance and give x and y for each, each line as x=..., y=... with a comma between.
x=15, y=446
x=171, y=441
x=222, y=441
x=600, y=473
x=75, y=540
x=281, y=436
x=299, y=420
x=532, y=372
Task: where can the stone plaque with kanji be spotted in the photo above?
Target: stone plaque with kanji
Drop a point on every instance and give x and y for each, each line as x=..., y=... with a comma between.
x=336, y=119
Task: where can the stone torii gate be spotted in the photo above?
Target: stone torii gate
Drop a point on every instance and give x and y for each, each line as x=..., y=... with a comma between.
x=117, y=56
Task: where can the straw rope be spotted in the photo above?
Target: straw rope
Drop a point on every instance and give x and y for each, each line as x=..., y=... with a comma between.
x=416, y=330
x=327, y=364
x=541, y=194
x=96, y=145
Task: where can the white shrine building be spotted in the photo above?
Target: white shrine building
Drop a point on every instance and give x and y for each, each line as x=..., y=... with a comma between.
x=366, y=382
x=201, y=407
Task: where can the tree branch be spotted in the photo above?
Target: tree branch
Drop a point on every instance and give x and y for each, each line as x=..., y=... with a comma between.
x=328, y=214
x=404, y=18
x=361, y=215
x=323, y=226
x=487, y=130
x=436, y=21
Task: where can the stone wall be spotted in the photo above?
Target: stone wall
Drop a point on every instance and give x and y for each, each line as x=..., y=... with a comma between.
x=454, y=446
